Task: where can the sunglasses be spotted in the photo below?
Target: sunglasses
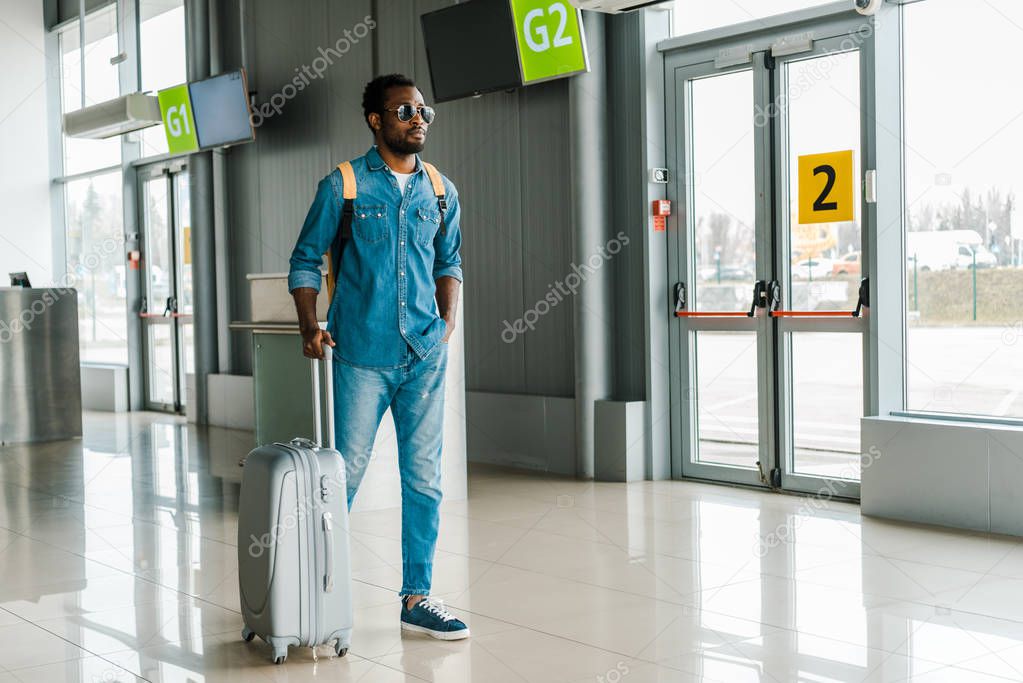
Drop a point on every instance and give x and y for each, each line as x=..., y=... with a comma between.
x=407, y=112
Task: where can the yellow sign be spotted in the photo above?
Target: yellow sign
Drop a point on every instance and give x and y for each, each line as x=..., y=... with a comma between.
x=186, y=247
x=826, y=189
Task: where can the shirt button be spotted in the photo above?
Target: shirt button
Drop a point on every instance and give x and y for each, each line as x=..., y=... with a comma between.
x=402, y=303
x=401, y=272
x=401, y=243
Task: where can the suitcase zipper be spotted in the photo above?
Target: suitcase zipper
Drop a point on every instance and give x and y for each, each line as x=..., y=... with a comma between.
x=314, y=499
x=301, y=463
x=313, y=484
x=314, y=591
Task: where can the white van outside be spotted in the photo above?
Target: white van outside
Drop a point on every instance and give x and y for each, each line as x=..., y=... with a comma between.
x=947, y=249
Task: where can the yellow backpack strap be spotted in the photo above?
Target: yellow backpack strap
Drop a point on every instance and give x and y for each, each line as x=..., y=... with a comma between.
x=438, y=189
x=348, y=176
x=348, y=193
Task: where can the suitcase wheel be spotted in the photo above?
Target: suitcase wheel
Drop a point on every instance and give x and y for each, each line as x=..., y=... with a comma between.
x=339, y=649
x=247, y=635
x=278, y=658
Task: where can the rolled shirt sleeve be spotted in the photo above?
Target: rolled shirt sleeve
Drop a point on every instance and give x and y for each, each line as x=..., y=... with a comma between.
x=318, y=232
x=447, y=260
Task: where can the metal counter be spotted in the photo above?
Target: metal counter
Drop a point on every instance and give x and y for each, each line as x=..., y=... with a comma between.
x=40, y=376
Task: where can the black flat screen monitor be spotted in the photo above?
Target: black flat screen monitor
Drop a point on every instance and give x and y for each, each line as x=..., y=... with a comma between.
x=220, y=107
x=472, y=49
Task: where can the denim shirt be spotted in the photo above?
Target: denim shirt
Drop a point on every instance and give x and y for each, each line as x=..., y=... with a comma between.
x=384, y=301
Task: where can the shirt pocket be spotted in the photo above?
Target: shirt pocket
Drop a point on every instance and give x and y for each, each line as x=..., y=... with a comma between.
x=427, y=224
x=369, y=224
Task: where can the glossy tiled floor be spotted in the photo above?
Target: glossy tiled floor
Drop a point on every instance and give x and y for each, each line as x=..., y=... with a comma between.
x=119, y=563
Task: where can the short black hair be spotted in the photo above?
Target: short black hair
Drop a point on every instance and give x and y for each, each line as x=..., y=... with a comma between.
x=374, y=97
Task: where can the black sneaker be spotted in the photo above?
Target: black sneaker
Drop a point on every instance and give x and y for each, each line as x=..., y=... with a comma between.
x=429, y=617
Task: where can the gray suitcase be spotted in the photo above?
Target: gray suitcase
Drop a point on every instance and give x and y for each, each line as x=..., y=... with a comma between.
x=294, y=572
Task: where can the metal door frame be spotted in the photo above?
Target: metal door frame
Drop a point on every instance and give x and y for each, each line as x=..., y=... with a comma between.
x=723, y=53
x=167, y=171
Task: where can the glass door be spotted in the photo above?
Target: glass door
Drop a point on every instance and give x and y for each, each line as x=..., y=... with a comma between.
x=166, y=315
x=767, y=260
x=718, y=259
x=819, y=247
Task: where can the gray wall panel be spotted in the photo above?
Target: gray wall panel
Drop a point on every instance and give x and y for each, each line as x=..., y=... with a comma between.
x=347, y=132
x=528, y=432
x=626, y=87
x=244, y=237
x=293, y=149
x=396, y=36
x=547, y=238
x=941, y=472
x=486, y=168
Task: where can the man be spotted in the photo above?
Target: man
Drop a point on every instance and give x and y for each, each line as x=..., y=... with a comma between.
x=390, y=319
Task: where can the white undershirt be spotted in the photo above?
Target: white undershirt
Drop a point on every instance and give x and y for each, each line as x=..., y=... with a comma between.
x=402, y=179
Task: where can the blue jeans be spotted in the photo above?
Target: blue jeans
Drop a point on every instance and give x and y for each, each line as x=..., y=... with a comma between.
x=414, y=392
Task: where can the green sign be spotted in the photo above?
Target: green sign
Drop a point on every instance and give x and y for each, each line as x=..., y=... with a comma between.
x=550, y=37
x=178, y=124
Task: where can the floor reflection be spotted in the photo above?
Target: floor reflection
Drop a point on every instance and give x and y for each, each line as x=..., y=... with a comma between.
x=118, y=562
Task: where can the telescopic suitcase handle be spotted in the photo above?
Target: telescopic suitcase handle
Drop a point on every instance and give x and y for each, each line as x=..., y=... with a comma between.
x=328, y=366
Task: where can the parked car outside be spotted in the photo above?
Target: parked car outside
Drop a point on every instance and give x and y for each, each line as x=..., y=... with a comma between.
x=847, y=265
x=812, y=269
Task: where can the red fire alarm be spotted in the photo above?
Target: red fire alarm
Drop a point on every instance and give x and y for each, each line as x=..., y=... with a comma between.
x=134, y=258
x=660, y=210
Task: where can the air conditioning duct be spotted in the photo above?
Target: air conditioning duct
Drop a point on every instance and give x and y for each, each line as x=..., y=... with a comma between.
x=114, y=117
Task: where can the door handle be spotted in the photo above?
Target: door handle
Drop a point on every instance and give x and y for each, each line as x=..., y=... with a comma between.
x=862, y=304
x=766, y=295
x=144, y=310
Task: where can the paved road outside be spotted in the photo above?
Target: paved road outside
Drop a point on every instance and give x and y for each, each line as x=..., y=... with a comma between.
x=958, y=370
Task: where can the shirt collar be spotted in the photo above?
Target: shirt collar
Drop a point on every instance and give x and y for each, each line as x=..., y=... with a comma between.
x=376, y=162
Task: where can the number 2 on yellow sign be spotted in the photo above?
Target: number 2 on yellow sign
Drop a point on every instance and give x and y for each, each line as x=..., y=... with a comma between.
x=826, y=187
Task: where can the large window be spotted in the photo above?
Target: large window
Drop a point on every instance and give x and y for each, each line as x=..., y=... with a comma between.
x=693, y=16
x=101, y=84
x=162, y=38
x=963, y=127
x=95, y=267
x=93, y=210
